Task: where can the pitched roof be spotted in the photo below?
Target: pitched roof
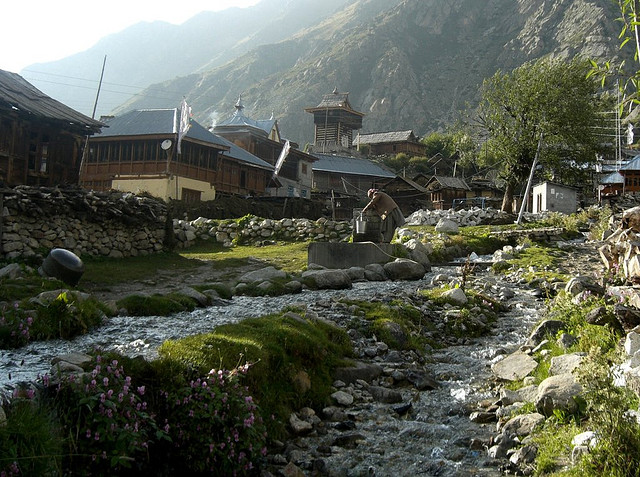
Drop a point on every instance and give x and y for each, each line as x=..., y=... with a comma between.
x=164, y=122
x=349, y=165
x=407, y=181
x=632, y=165
x=447, y=182
x=382, y=137
x=613, y=178
x=145, y=122
x=335, y=100
x=18, y=95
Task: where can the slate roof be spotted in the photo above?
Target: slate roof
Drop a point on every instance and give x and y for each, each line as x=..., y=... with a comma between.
x=335, y=100
x=449, y=182
x=18, y=95
x=382, y=137
x=407, y=181
x=163, y=122
x=349, y=165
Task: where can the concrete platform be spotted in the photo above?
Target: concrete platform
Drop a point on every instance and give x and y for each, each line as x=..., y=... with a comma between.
x=346, y=255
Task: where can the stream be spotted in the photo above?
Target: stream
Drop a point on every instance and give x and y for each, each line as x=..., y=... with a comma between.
x=436, y=438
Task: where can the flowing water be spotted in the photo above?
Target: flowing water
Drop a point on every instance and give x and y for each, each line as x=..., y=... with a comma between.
x=435, y=438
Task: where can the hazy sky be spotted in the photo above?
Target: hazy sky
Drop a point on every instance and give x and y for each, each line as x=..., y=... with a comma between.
x=38, y=31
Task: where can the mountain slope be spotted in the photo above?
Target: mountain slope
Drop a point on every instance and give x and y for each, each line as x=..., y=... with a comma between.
x=410, y=64
x=149, y=53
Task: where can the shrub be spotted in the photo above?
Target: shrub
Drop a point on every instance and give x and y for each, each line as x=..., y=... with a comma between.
x=156, y=305
x=215, y=425
x=29, y=441
x=105, y=419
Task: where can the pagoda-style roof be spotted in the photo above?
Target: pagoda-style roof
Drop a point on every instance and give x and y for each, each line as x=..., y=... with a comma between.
x=239, y=121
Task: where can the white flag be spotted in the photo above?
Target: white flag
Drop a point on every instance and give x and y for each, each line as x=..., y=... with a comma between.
x=282, y=157
x=629, y=134
x=185, y=115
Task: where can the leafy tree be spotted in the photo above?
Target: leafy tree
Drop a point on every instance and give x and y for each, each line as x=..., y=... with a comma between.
x=446, y=150
x=553, y=104
x=630, y=48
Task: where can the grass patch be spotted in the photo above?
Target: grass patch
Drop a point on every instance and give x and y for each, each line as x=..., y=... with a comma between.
x=103, y=271
x=156, y=305
x=287, y=256
x=283, y=348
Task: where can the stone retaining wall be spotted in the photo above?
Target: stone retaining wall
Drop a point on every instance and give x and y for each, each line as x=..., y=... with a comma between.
x=114, y=224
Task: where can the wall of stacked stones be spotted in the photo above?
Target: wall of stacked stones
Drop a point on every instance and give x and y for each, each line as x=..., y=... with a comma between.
x=114, y=224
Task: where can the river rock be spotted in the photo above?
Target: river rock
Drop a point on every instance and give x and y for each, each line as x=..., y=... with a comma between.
x=81, y=360
x=200, y=298
x=11, y=271
x=404, y=269
x=632, y=343
x=261, y=275
x=544, y=329
x=523, y=394
x=374, y=272
x=342, y=398
x=523, y=425
x=558, y=393
x=360, y=371
x=447, y=226
x=385, y=395
x=299, y=426
x=326, y=279
x=418, y=252
x=456, y=296
x=565, y=363
x=514, y=367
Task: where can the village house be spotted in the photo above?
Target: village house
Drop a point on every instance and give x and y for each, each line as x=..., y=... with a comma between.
x=171, y=156
x=443, y=191
x=631, y=173
x=554, y=197
x=390, y=143
x=261, y=137
x=41, y=139
x=409, y=195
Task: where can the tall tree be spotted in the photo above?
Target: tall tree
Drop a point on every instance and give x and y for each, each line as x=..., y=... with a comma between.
x=549, y=103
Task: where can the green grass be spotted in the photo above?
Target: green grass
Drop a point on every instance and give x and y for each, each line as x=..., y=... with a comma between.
x=280, y=348
x=287, y=256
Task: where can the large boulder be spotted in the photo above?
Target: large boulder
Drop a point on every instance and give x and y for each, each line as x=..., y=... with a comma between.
x=447, y=226
x=404, y=269
x=418, y=252
x=559, y=392
x=514, y=367
x=264, y=274
x=327, y=279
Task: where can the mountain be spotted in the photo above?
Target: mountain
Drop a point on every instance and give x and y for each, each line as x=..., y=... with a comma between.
x=407, y=64
x=153, y=52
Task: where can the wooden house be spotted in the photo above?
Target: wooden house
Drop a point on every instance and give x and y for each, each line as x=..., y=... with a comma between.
x=346, y=176
x=143, y=150
x=611, y=185
x=334, y=123
x=444, y=190
x=41, y=139
x=261, y=137
x=391, y=143
x=554, y=197
x=631, y=173
x=409, y=195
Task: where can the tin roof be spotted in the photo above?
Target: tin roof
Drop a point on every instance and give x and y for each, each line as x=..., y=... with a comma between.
x=613, y=178
x=447, y=182
x=632, y=165
x=20, y=96
x=349, y=165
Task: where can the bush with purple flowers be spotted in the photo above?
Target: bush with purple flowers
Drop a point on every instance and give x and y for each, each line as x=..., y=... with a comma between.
x=214, y=424
x=106, y=419
x=15, y=327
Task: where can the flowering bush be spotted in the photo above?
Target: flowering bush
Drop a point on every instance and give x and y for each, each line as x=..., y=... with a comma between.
x=107, y=417
x=215, y=425
x=14, y=327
